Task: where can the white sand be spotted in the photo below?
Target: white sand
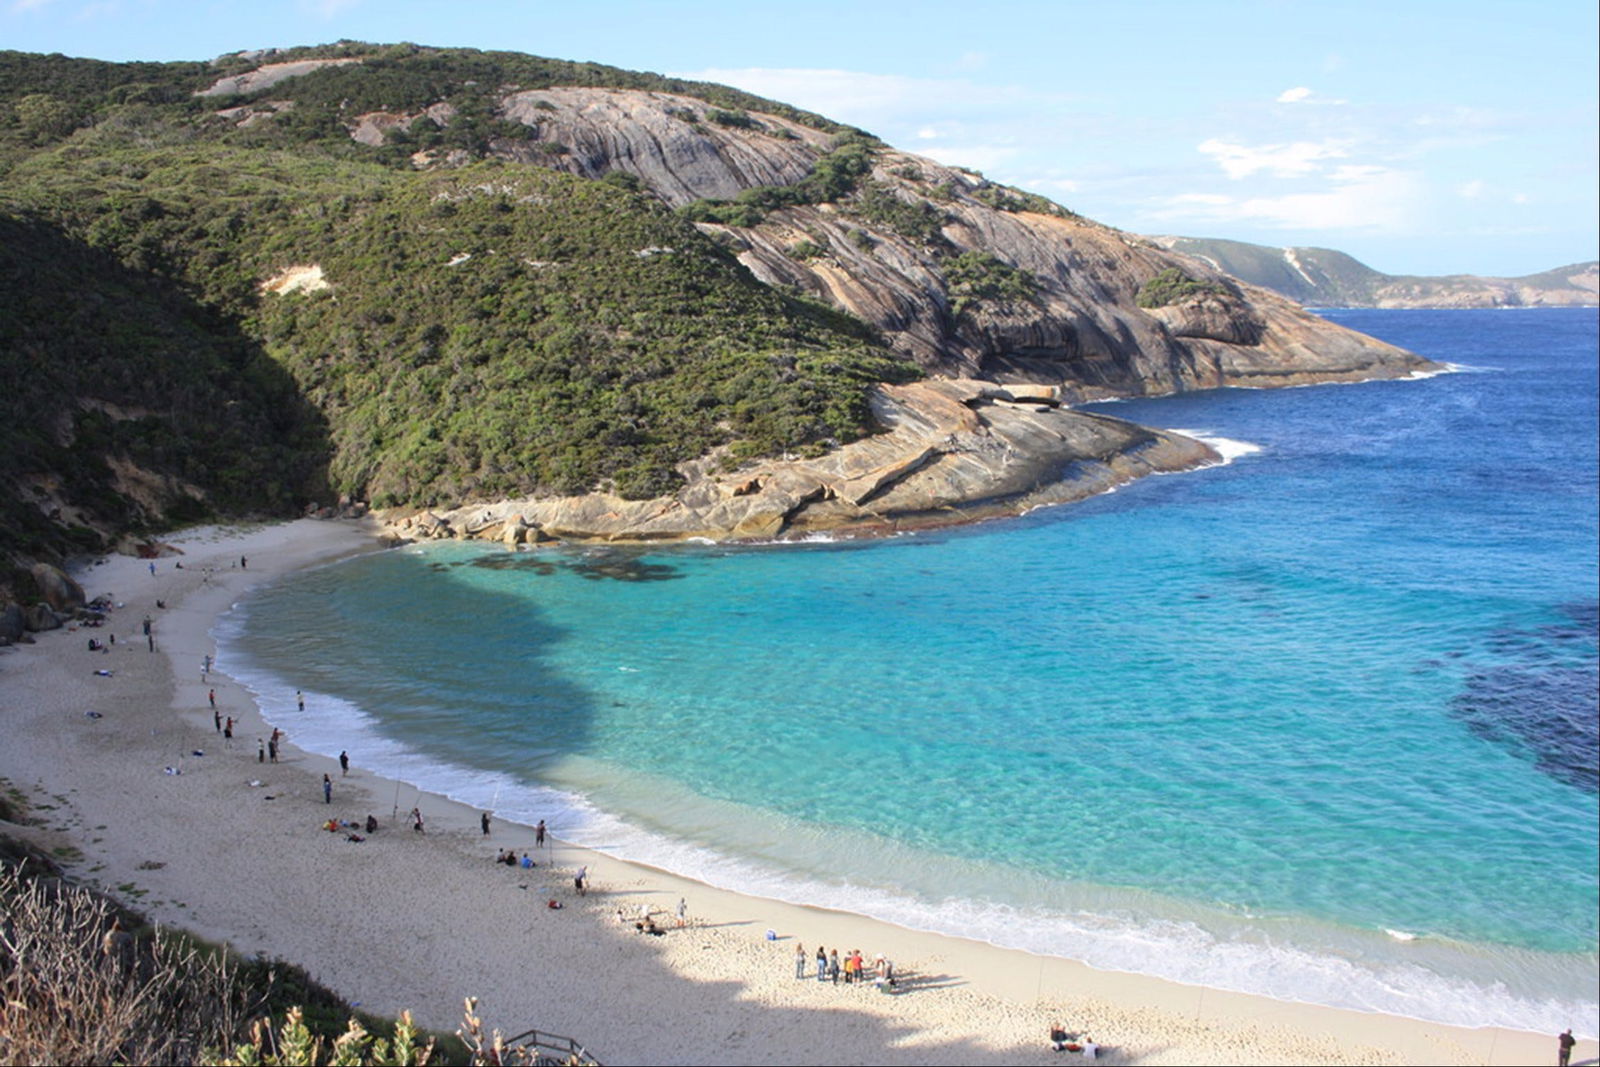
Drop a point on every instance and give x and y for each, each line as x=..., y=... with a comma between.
x=404, y=920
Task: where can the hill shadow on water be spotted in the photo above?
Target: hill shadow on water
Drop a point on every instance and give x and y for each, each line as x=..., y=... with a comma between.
x=127, y=404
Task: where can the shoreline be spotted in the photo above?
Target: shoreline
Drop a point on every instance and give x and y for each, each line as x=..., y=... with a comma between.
x=420, y=921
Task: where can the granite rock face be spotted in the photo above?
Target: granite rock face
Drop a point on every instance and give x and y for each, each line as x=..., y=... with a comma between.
x=1080, y=329
x=953, y=451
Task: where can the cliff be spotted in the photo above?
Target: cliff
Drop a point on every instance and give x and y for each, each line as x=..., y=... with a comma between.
x=1322, y=277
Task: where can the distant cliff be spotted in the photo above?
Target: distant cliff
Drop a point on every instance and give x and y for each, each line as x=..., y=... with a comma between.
x=639, y=307
x=1322, y=277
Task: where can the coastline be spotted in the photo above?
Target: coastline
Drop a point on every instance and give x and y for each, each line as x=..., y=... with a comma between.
x=420, y=921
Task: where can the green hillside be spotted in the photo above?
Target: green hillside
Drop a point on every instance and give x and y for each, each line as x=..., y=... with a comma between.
x=487, y=331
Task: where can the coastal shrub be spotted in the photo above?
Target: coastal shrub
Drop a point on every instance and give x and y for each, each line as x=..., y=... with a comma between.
x=833, y=177
x=976, y=278
x=914, y=219
x=736, y=119
x=803, y=250
x=85, y=981
x=1173, y=286
x=77, y=986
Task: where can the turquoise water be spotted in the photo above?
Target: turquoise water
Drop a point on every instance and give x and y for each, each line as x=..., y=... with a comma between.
x=1319, y=723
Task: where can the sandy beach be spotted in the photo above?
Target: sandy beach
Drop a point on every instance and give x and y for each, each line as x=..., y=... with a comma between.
x=233, y=849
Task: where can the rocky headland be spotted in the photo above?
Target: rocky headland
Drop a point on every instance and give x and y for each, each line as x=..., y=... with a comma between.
x=1324, y=277
x=498, y=296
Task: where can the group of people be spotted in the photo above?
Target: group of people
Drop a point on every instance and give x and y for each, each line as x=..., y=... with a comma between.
x=1082, y=1044
x=509, y=858
x=853, y=969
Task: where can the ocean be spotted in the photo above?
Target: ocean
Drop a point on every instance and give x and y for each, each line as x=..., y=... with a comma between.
x=1319, y=723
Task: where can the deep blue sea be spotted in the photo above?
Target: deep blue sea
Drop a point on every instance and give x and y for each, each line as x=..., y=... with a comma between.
x=1319, y=723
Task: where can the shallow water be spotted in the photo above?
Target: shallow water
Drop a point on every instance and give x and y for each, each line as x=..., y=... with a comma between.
x=1319, y=723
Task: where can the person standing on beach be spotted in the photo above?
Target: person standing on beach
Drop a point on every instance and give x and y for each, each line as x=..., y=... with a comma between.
x=800, y=961
x=1564, y=1045
x=580, y=881
x=822, y=965
x=272, y=748
x=344, y=763
x=261, y=751
x=683, y=912
x=833, y=966
x=216, y=716
x=327, y=789
x=227, y=733
x=538, y=835
x=244, y=564
x=212, y=696
x=300, y=700
x=483, y=820
x=416, y=820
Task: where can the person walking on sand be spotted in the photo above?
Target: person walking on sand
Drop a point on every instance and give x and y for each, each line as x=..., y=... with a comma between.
x=1564, y=1045
x=327, y=789
x=344, y=763
x=538, y=835
x=300, y=700
x=800, y=961
x=483, y=820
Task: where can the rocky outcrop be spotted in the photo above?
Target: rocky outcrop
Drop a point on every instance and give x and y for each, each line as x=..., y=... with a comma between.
x=953, y=451
x=1079, y=329
x=13, y=624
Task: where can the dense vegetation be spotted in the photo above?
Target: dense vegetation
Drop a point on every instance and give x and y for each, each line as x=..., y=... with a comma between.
x=834, y=177
x=1172, y=286
x=490, y=330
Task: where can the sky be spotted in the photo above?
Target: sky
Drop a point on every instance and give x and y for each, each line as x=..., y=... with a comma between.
x=1421, y=137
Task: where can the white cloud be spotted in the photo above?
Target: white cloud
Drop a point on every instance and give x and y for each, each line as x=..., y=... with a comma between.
x=1471, y=190
x=326, y=9
x=1293, y=96
x=1293, y=160
x=1356, y=197
x=928, y=133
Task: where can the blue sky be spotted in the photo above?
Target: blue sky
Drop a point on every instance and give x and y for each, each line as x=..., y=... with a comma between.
x=1421, y=137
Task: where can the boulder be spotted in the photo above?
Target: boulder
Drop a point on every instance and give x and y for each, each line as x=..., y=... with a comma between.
x=40, y=617
x=13, y=624
x=59, y=591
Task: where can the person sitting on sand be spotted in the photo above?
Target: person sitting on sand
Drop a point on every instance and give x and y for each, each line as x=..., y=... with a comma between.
x=372, y=824
x=1058, y=1037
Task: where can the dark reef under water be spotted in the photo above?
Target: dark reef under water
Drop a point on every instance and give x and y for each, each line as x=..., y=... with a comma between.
x=1543, y=702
